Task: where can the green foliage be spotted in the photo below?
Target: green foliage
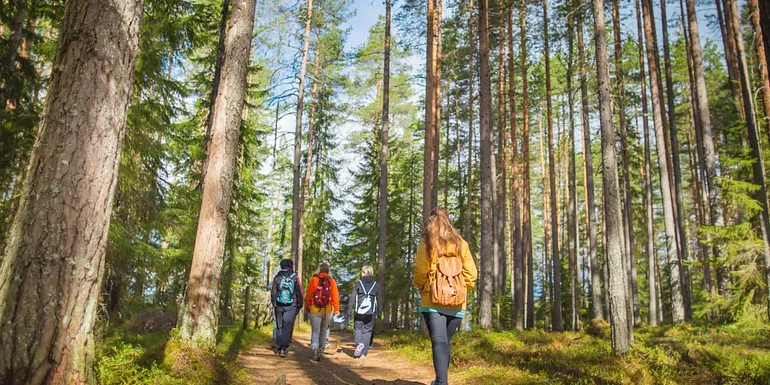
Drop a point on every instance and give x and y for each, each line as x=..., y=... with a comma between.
x=677, y=355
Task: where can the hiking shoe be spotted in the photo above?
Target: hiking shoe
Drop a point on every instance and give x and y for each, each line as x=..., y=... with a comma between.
x=282, y=353
x=316, y=355
x=359, y=350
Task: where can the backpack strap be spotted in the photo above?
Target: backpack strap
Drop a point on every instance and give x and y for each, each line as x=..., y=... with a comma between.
x=366, y=293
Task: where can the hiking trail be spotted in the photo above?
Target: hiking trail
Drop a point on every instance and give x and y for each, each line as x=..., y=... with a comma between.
x=337, y=366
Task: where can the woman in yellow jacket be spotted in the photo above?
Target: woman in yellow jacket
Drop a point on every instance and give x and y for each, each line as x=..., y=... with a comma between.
x=440, y=239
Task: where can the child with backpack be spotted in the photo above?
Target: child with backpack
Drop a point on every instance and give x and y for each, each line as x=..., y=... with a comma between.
x=322, y=302
x=444, y=271
x=286, y=297
x=364, y=307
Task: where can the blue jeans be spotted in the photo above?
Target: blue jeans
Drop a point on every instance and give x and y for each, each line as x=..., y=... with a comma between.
x=441, y=328
x=320, y=326
x=284, y=325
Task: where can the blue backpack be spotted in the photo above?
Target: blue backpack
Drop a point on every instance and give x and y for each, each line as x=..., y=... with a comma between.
x=286, y=290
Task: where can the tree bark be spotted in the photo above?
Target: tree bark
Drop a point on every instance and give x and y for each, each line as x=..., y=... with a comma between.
x=678, y=310
x=487, y=170
x=596, y=285
x=296, y=209
x=526, y=221
x=557, y=323
x=760, y=50
x=471, y=41
x=572, y=189
x=650, y=210
x=627, y=207
x=500, y=206
x=764, y=21
x=618, y=279
x=432, y=106
x=52, y=269
x=383, y=203
x=731, y=54
x=517, y=278
x=758, y=167
x=706, y=137
x=199, y=319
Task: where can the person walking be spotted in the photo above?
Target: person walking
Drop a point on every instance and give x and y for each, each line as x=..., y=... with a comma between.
x=322, y=302
x=286, y=298
x=364, y=308
x=444, y=272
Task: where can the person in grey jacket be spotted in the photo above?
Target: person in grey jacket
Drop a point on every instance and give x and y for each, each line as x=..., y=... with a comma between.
x=286, y=297
x=365, y=308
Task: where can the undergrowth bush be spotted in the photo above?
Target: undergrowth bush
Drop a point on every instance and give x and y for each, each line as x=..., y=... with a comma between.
x=682, y=354
x=128, y=358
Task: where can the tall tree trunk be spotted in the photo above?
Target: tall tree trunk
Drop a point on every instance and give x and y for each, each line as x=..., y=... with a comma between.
x=627, y=207
x=704, y=118
x=596, y=285
x=487, y=170
x=557, y=323
x=432, y=107
x=296, y=213
x=308, y=160
x=471, y=41
x=731, y=54
x=500, y=206
x=760, y=50
x=618, y=279
x=199, y=320
x=246, y=307
x=383, y=203
x=650, y=210
x=52, y=269
x=526, y=220
x=676, y=167
x=758, y=168
x=215, y=85
x=517, y=278
x=572, y=242
x=678, y=311
x=764, y=21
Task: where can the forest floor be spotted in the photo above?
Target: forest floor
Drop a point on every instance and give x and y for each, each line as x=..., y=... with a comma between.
x=338, y=366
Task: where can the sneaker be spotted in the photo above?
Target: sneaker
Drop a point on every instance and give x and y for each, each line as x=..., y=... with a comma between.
x=283, y=353
x=362, y=356
x=359, y=350
x=316, y=355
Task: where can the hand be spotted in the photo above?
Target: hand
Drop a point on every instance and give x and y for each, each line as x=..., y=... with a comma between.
x=336, y=313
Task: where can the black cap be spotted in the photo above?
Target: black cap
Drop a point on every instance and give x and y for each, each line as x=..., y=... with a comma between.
x=287, y=264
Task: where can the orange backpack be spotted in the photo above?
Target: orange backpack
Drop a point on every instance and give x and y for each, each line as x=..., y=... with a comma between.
x=447, y=285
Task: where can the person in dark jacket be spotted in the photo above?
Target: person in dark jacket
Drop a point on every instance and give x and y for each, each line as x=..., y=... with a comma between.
x=287, y=299
x=365, y=308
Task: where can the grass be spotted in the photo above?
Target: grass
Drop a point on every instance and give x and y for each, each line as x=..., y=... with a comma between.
x=127, y=358
x=665, y=355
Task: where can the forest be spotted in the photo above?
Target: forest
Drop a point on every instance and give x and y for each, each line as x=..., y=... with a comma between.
x=604, y=160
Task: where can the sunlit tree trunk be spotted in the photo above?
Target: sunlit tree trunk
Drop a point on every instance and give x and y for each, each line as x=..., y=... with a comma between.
x=557, y=323
x=758, y=167
x=526, y=220
x=487, y=170
x=618, y=279
x=517, y=278
x=760, y=50
x=471, y=48
x=723, y=12
x=649, y=207
x=296, y=213
x=658, y=110
x=383, y=203
x=52, y=269
x=596, y=285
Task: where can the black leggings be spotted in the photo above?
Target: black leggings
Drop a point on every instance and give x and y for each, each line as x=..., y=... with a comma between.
x=441, y=327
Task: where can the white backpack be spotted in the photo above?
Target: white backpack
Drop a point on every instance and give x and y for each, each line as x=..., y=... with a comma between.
x=368, y=306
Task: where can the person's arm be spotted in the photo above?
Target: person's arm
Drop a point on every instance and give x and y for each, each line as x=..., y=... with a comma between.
x=335, y=296
x=421, y=267
x=352, y=300
x=273, y=293
x=298, y=293
x=470, y=273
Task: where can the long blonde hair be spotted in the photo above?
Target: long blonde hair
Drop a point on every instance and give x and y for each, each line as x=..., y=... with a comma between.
x=438, y=233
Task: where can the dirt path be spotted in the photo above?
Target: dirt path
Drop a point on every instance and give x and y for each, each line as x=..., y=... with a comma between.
x=338, y=366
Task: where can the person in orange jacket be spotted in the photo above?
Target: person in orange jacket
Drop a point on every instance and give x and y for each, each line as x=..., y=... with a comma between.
x=322, y=301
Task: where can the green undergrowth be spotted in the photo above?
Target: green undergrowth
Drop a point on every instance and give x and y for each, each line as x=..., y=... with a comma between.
x=129, y=358
x=685, y=355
